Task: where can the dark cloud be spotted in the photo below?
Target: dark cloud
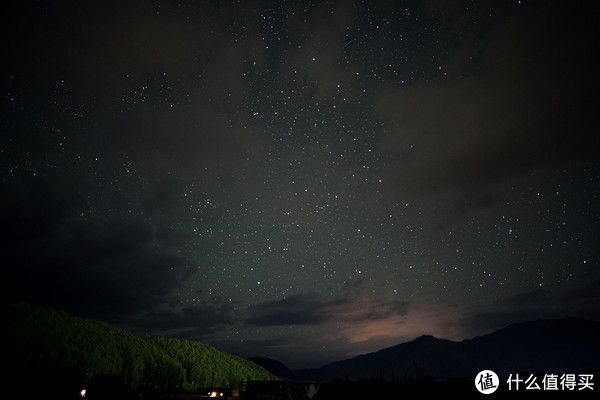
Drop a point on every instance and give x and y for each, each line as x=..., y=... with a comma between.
x=189, y=55
x=312, y=309
x=99, y=49
x=588, y=293
x=470, y=201
x=302, y=309
x=532, y=298
x=32, y=207
x=105, y=267
x=191, y=322
x=489, y=321
x=581, y=302
x=530, y=101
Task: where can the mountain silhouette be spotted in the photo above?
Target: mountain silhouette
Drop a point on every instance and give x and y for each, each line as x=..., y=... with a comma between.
x=558, y=346
x=273, y=366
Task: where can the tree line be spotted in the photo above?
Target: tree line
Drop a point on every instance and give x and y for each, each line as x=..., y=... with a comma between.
x=45, y=340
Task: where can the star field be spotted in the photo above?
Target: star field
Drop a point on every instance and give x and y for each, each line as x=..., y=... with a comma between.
x=302, y=180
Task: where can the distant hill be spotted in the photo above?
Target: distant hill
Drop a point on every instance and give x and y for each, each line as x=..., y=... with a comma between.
x=273, y=366
x=551, y=346
x=39, y=344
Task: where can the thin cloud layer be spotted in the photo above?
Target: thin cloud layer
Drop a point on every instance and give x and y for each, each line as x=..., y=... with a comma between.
x=516, y=95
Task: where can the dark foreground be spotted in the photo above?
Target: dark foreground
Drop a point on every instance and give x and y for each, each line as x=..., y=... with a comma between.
x=291, y=390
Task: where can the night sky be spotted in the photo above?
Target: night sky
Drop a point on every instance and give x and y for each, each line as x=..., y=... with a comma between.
x=305, y=181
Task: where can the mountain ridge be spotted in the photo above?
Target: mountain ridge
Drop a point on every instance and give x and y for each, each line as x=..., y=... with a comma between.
x=565, y=344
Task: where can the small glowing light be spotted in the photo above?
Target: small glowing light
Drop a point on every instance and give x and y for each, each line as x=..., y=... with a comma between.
x=213, y=394
x=221, y=394
x=83, y=392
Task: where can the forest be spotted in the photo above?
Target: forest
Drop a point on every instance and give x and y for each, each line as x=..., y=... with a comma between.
x=39, y=342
